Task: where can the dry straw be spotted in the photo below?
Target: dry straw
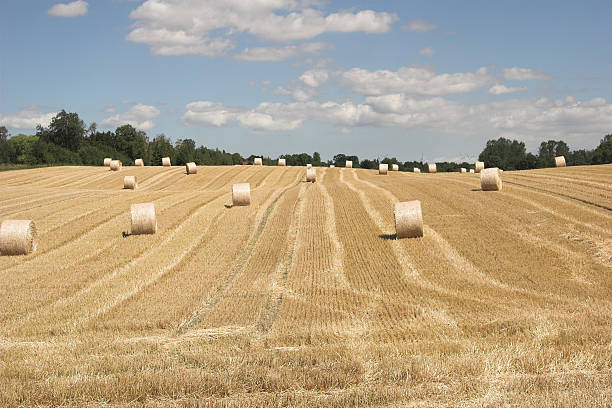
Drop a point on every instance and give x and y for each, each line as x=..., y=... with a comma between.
x=478, y=166
x=139, y=162
x=490, y=179
x=560, y=161
x=107, y=161
x=115, y=165
x=241, y=194
x=166, y=162
x=191, y=168
x=129, y=182
x=383, y=168
x=416, y=170
x=258, y=161
x=463, y=170
x=143, y=219
x=408, y=219
x=311, y=175
x=282, y=162
x=17, y=237
x=394, y=167
x=432, y=168
x=349, y=164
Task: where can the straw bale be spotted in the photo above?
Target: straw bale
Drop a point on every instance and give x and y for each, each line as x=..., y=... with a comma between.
x=143, y=219
x=191, y=168
x=463, y=170
x=116, y=165
x=166, y=162
x=432, y=168
x=416, y=170
x=394, y=167
x=241, y=194
x=129, y=182
x=408, y=219
x=560, y=161
x=107, y=161
x=282, y=162
x=17, y=237
x=311, y=175
x=258, y=161
x=349, y=164
x=139, y=162
x=490, y=179
x=478, y=166
x=383, y=168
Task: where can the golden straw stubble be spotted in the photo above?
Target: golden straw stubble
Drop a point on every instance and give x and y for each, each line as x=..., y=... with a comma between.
x=408, y=219
x=490, y=179
x=129, y=183
x=144, y=220
x=383, y=168
x=560, y=161
x=311, y=175
x=115, y=165
x=17, y=237
x=241, y=194
x=107, y=161
x=191, y=168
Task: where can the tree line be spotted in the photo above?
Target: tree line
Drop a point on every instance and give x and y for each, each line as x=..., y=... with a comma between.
x=68, y=141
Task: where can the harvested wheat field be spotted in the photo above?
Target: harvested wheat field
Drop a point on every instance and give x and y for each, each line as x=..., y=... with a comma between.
x=304, y=298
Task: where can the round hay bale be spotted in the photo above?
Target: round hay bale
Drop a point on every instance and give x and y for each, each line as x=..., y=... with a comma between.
x=490, y=179
x=394, y=167
x=143, y=219
x=258, y=161
x=416, y=170
x=282, y=162
x=17, y=237
x=463, y=170
x=432, y=168
x=560, y=161
x=311, y=175
x=408, y=219
x=349, y=164
x=478, y=166
x=241, y=194
x=472, y=171
x=166, y=162
x=107, y=161
x=116, y=165
x=308, y=165
x=191, y=168
x=331, y=166
x=139, y=163
x=129, y=183
x=383, y=168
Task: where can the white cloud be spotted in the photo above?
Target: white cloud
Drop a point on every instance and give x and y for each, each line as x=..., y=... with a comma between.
x=261, y=122
x=427, y=51
x=109, y=109
x=410, y=80
x=314, y=77
x=499, y=89
x=420, y=26
x=139, y=116
x=523, y=74
x=207, y=27
x=297, y=93
x=274, y=54
x=74, y=9
x=26, y=119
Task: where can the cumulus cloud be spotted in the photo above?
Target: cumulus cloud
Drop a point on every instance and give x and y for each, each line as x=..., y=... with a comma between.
x=411, y=80
x=300, y=94
x=74, y=9
x=499, y=89
x=314, y=77
x=207, y=27
x=273, y=54
x=26, y=119
x=526, y=119
x=427, y=51
x=139, y=116
x=420, y=26
x=523, y=74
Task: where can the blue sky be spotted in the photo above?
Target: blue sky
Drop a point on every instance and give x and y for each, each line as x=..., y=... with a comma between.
x=412, y=79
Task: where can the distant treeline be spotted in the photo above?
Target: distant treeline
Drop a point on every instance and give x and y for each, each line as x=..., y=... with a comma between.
x=68, y=141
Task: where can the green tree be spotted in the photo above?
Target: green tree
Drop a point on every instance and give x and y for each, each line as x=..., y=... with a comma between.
x=185, y=151
x=504, y=153
x=161, y=147
x=130, y=141
x=548, y=150
x=603, y=152
x=7, y=153
x=66, y=130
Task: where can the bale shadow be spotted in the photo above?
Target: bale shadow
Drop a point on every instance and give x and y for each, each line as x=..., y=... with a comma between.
x=388, y=236
x=477, y=189
x=228, y=205
x=125, y=234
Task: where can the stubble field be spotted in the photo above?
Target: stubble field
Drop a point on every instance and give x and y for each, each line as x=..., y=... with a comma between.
x=304, y=298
